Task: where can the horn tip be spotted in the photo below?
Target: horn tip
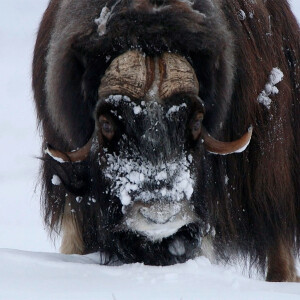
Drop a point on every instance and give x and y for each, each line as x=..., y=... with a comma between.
x=49, y=151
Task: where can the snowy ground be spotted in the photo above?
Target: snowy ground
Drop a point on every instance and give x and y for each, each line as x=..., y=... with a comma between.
x=36, y=276
x=28, y=273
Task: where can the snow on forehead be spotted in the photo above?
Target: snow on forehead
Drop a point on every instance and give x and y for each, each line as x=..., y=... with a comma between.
x=144, y=107
x=129, y=175
x=117, y=100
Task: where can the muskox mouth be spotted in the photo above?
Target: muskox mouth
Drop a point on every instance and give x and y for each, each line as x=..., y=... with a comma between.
x=158, y=220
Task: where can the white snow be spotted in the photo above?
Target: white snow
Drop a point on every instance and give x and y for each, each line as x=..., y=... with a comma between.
x=270, y=89
x=102, y=20
x=242, y=15
x=116, y=99
x=55, y=180
x=78, y=199
x=175, y=109
x=48, y=276
x=137, y=109
x=21, y=224
x=130, y=174
x=226, y=179
x=33, y=275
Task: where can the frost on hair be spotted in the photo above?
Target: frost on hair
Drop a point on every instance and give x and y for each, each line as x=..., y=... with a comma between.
x=270, y=88
x=129, y=175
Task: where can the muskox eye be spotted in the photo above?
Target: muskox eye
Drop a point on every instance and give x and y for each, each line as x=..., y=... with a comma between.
x=196, y=125
x=107, y=127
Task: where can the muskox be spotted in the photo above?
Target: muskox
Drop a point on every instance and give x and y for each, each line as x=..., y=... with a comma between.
x=171, y=129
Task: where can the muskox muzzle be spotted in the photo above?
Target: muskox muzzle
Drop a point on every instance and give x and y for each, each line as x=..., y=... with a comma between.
x=159, y=219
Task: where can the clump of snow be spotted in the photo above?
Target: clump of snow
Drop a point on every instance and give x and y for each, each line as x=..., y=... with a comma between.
x=137, y=109
x=129, y=175
x=55, y=180
x=78, y=199
x=226, y=180
x=91, y=199
x=102, y=20
x=189, y=2
x=117, y=99
x=175, y=109
x=242, y=15
x=270, y=88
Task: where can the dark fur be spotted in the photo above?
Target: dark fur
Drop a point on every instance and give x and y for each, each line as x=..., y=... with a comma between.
x=259, y=209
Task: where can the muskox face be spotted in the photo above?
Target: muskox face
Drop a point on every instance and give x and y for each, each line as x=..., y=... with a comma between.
x=147, y=162
x=148, y=143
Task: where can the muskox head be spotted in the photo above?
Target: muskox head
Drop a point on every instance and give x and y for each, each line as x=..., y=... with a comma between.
x=149, y=141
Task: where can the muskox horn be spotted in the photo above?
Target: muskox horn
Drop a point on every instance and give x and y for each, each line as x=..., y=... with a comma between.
x=73, y=156
x=151, y=78
x=177, y=76
x=217, y=147
x=126, y=75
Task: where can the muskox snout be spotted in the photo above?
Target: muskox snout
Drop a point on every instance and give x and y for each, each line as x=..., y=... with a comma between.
x=161, y=214
x=158, y=220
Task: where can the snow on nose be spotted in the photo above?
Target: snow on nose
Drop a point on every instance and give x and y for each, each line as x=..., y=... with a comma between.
x=171, y=180
x=160, y=214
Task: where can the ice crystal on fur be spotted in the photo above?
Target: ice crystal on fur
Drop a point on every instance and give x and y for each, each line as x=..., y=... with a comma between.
x=130, y=175
x=175, y=109
x=55, y=180
x=270, y=88
x=102, y=20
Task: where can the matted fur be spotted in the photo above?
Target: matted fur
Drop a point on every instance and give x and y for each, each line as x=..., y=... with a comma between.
x=233, y=45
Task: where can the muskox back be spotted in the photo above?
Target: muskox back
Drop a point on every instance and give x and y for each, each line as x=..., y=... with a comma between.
x=245, y=55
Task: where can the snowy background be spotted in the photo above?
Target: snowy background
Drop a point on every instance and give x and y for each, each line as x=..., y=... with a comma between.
x=27, y=273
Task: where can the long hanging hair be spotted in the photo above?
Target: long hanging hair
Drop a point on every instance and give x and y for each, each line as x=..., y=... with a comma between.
x=252, y=199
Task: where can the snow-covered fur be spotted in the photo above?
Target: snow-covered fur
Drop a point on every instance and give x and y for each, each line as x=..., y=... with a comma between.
x=251, y=201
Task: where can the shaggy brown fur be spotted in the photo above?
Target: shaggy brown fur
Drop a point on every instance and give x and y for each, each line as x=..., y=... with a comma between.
x=233, y=45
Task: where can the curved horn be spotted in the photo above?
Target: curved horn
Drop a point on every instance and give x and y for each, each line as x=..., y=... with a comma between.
x=126, y=75
x=217, y=147
x=177, y=76
x=73, y=156
x=154, y=78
